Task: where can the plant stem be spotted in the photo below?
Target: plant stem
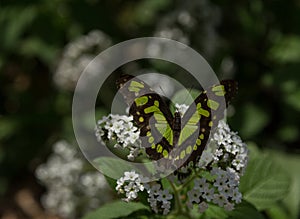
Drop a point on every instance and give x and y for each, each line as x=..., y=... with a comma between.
x=186, y=182
x=196, y=174
x=178, y=205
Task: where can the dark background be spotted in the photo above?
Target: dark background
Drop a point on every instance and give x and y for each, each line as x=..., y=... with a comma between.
x=254, y=42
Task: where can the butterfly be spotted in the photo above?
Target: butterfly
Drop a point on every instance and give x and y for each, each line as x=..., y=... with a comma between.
x=179, y=140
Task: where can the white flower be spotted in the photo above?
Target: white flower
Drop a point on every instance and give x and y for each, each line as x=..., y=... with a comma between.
x=153, y=203
x=209, y=194
x=68, y=183
x=130, y=187
x=132, y=175
x=182, y=108
x=120, y=129
x=232, y=175
x=218, y=152
x=92, y=181
x=194, y=196
x=120, y=183
x=230, y=149
x=166, y=207
x=206, y=158
x=164, y=196
x=229, y=206
x=226, y=191
x=203, y=206
x=130, y=184
x=222, y=174
x=117, y=126
x=220, y=183
x=76, y=56
x=158, y=197
x=128, y=125
x=220, y=139
x=131, y=191
x=133, y=137
x=219, y=200
x=236, y=196
x=131, y=156
x=200, y=183
x=237, y=163
x=140, y=186
x=155, y=189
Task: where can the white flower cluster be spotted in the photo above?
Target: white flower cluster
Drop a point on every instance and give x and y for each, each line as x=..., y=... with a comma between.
x=229, y=150
x=77, y=55
x=119, y=128
x=221, y=188
x=159, y=200
x=132, y=183
x=221, y=165
x=182, y=108
x=69, y=186
x=227, y=162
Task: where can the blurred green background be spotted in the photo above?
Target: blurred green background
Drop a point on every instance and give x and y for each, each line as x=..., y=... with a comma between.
x=254, y=42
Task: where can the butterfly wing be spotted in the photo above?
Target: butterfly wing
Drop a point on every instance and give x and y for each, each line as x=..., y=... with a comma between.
x=200, y=119
x=151, y=114
x=156, y=122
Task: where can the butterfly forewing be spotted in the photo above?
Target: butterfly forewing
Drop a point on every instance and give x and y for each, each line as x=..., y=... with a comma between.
x=151, y=114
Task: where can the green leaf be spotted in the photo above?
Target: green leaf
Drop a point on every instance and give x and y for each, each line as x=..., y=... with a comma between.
x=115, y=210
x=289, y=133
x=3, y=183
x=15, y=26
x=264, y=182
x=277, y=212
x=113, y=167
x=37, y=47
x=287, y=49
x=291, y=164
x=215, y=212
x=293, y=99
x=146, y=11
x=255, y=119
x=176, y=217
x=245, y=211
x=111, y=182
x=7, y=127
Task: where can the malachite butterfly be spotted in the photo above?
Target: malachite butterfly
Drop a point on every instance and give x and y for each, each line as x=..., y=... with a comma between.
x=175, y=139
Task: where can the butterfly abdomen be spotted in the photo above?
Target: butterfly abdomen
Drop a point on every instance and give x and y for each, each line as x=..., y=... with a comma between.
x=176, y=127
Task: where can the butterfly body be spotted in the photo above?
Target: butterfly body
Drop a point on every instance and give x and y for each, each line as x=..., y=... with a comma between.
x=176, y=127
x=174, y=139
